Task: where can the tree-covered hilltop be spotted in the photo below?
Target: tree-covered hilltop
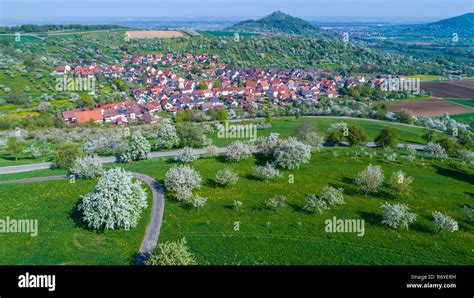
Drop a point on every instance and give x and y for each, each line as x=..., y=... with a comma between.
x=277, y=22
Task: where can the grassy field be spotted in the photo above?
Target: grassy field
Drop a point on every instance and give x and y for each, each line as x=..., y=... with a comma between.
x=61, y=239
x=294, y=236
x=285, y=127
x=288, y=127
x=463, y=117
x=464, y=102
x=289, y=236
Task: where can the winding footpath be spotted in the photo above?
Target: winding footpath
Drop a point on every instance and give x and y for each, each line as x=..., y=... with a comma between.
x=153, y=228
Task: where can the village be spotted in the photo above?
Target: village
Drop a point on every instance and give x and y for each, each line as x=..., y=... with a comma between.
x=169, y=82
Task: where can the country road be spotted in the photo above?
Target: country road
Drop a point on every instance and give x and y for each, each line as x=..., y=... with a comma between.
x=153, y=228
x=111, y=159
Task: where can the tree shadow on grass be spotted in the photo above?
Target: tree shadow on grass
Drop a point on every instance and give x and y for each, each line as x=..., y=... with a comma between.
x=299, y=208
x=222, y=158
x=458, y=175
x=372, y=218
x=213, y=183
x=261, y=159
x=77, y=217
x=421, y=228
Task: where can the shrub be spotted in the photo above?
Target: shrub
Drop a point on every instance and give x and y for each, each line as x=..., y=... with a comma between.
x=388, y=137
x=190, y=135
x=138, y=148
x=337, y=132
x=333, y=196
x=400, y=183
x=276, y=202
x=370, y=179
x=116, y=201
x=356, y=135
x=450, y=146
x=397, y=215
x=67, y=155
x=469, y=214
x=428, y=135
x=181, y=180
x=14, y=147
x=167, y=136
x=292, y=153
x=314, y=203
x=227, y=177
x=444, y=222
x=172, y=254
x=187, y=155
x=237, y=205
x=238, y=151
x=197, y=202
x=87, y=167
x=308, y=135
x=268, y=145
x=267, y=172
x=466, y=156
x=404, y=116
x=33, y=151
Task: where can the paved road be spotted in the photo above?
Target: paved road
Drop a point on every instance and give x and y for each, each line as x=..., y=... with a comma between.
x=111, y=159
x=153, y=228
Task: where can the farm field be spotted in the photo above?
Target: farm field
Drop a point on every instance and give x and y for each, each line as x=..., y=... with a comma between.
x=452, y=89
x=464, y=117
x=430, y=108
x=464, y=102
x=289, y=236
x=293, y=236
x=62, y=239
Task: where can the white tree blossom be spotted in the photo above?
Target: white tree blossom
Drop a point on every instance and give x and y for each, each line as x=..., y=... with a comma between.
x=292, y=153
x=238, y=151
x=397, y=215
x=314, y=203
x=167, y=136
x=333, y=196
x=138, y=148
x=443, y=222
x=172, y=254
x=187, y=155
x=370, y=179
x=181, y=180
x=87, y=167
x=267, y=172
x=116, y=202
x=227, y=177
x=276, y=202
x=436, y=151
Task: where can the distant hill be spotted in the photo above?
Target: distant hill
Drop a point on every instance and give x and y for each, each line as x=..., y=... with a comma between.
x=277, y=22
x=463, y=22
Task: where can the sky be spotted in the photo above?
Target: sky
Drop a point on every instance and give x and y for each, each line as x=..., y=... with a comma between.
x=309, y=9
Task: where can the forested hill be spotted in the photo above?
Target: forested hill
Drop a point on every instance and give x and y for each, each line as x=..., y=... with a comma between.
x=277, y=22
